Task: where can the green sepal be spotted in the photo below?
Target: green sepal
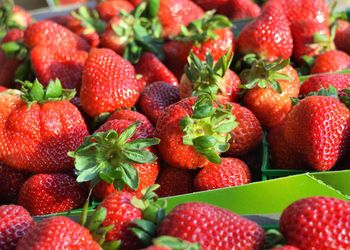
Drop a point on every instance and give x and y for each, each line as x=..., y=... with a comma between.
x=96, y=219
x=176, y=243
x=112, y=245
x=331, y=91
x=100, y=119
x=144, y=230
x=295, y=101
x=273, y=238
x=346, y=98
x=89, y=19
x=15, y=50
x=7, y=21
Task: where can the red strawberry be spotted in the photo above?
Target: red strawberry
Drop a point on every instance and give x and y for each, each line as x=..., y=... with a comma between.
x=317, y=223
x=11, y=182
x=174, y=13
x=14, y=16
x=13, y=35
x=51, y=34
x=230, y=172
x=269, y=35
x=109, y=9
x=51, y=193
x=153, y=70
x=323, y=124
x=108, y=83
x=239, y=9
x=110, y=39
x=2, y=88
x=231, y=231
x=176, y=54
x=342, y=36
x=58, y=63
x=14, y=224
x=330, y=61
x=156, y=97
x=37, y=137
x=58, y=233
x=174, y=181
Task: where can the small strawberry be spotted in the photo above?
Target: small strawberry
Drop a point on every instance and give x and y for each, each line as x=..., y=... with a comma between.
x=342, y=36
x=231, y=230
x=13, y=17
x=111, y=8
x=240, y=9
x=108, y=83
x=156, y=97
x=14, y=224
x=58, y=232
x=230, y=172
x=317, y=223
x=331, y=61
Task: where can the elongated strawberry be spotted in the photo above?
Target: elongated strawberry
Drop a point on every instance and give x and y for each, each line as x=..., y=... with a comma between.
x=14, y=224
x=108, y=83
x=38, y=127
x=331, y=61
x=342, y=36
x=231, y=231
x=308, y=224
x=111, y=8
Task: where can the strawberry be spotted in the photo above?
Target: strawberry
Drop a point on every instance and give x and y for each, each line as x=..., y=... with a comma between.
x=153, y=70
x=231, y=230
x=13, y=35
x=240, y=9
x=268, y=35
x=2, y=89
x=323, y=124
x=50, y=34
x=11, y=182
x=8, y=69
x=58, y=63
x=174, y=13
x=38, y=127
x=14, y=224
x=108, y=83
x=330, y=61
x=13, y=16
x=109, y=9
x=271, y=84
x=309, y=224
x=58, y=232
x=342, y=36
x=174, y=181
x=230, y=172
x=156, y=97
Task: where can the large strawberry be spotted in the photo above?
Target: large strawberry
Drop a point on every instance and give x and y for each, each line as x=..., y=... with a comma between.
x=38, y=127
x=342, y=36
x=108, y=83
x=14, y=224
x=231, y=230
x=334, y=60
x=317, y=223
x=111, y=8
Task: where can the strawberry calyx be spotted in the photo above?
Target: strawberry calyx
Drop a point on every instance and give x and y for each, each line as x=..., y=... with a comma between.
x=330, y=91
x=15, y=50
x=109, y=156
x=89, y=19
x=175, y=243
x=208, y=130
x=265, y=73
x=202, y=29
x=7, y=18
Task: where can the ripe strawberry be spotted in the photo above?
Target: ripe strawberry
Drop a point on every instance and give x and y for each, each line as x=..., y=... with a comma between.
x=13, y=35
x=108, y=83
x=109, y=9
x=50, y=34
x=38, y=127
x=269, y=35
x=330, y=61
x=153, y=70
x=309, y=224
x=342, y=36
x=8, y=69
x=270, y=88
x=58, y=63
x=14, y=224
x=323, y=124
x=230, y=172
x=231, y=231
x=240, y=9
x=174, y=13
x=174, y=181
x=156, y=97
x=58, y=233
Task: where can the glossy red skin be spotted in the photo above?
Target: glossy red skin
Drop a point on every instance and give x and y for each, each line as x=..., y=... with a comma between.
x=269, y=35
x=121, y=213
x=240, y=9
x=11, y=182
x=51, y=193
x=156, y=97
x=317, y=223
x=270, y=107
x=58, y=233
x=174, y=181
x=51, y=34
x=212, y=227
x=316, y=83
x=153, y=70
x=58, y=63
x=14, y=224
x=318, y=129
x=174, y=13
x=109, y=9
x=38, y=139
x=110, y=40
x=108, y=83
x=171, y=148
x=229, y=173
x=331, y=61
x=342, y=36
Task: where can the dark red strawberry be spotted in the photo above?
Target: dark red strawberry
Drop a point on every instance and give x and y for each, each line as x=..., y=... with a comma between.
x=156, y=97
x=240, y=9
x=342, y=36
x=317, y=223
x=14, y=224
x=8, y=69
x=331, y=61
x=111, y=8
